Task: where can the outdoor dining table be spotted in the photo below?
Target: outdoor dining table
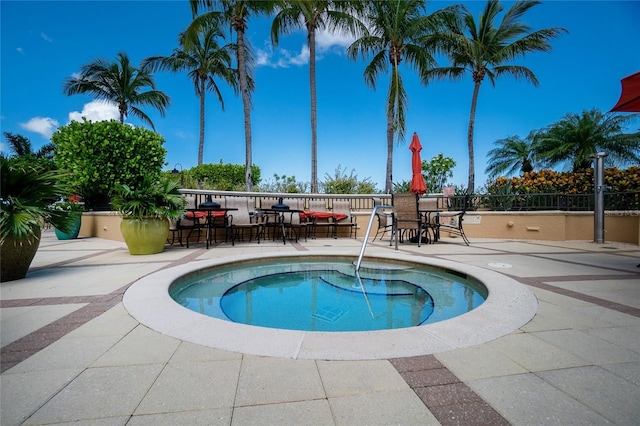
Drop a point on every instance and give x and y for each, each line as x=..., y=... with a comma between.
x=279, y=214
x=210, y=214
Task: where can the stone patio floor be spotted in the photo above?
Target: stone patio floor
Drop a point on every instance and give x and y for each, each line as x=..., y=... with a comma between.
x=71, y=353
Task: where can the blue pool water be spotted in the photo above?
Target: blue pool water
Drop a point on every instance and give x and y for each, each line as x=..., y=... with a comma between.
x=327, y=295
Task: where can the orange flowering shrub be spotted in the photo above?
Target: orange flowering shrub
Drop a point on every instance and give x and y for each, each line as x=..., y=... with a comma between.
x=549, y=181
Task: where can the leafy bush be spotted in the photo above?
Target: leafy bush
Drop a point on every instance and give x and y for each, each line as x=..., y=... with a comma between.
x=103, y=155
x=222, y=177
x=549, y=181
x=341, y=183
x=436, y=172
x=284, y=184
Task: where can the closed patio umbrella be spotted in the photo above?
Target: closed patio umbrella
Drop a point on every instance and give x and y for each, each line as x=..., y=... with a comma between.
x=630, y=97
x=418, y=186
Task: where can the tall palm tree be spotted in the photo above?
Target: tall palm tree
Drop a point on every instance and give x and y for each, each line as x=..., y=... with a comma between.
x=204, y=60
x=314, y=15
x=576, y=136
x=511, y=155
x=394, y=30
x=485, y=48
x=237, y=13
x=119, y=82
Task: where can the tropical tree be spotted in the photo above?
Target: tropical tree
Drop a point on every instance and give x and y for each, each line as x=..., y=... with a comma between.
x=237, y=13
x=485, y=49
x=576, y=136
x=21, y=147
x=437, y=171
x=315, y=15
x=204, y=60
x=119, y=82
x=395, y=29
x=512, y=154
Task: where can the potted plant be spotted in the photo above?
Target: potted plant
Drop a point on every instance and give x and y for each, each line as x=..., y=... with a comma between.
x=28, y=187
x=75, y=209
x=146, y=212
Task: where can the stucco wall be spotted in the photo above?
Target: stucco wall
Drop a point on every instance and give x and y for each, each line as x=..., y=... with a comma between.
x=552, y=226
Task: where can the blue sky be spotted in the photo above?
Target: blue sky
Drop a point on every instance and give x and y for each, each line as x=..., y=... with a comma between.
x=44, y=42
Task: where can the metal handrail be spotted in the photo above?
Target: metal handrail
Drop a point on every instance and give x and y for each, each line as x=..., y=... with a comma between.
x=366, y=235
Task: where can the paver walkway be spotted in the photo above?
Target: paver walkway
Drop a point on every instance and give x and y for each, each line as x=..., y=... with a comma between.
x=71, y=352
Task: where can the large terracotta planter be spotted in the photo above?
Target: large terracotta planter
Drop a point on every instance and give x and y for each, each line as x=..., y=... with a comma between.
x=75, y=229
x=17, y=255
x=145, y=236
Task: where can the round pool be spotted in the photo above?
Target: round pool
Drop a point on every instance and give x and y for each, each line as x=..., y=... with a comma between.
x=508, y=306
x=328, y=295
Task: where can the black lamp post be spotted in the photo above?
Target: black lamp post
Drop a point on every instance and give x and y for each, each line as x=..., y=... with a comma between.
x=175, y=171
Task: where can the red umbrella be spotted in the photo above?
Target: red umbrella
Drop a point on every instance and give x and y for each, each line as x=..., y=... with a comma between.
x=630, y=97
x=417, y=181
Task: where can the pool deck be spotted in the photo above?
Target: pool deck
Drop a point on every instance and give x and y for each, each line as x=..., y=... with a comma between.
x=71, y=353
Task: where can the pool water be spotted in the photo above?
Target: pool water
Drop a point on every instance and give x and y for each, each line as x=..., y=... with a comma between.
x=316, y=295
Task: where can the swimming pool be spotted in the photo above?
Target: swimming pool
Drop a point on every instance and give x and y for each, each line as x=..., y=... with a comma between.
x=508, y=306
x=327, y=295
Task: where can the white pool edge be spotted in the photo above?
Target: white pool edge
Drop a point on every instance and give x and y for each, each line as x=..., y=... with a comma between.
x=509, y=306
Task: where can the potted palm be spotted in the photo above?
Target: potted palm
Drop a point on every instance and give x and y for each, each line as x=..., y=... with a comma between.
x=146, y=212
x=28, y=188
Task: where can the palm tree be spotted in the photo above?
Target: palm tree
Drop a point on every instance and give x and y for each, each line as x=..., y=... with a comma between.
x=394, y=30
x=575, y=137
x=22, y=147
x=237, y=12
x=204, y=60
x=512, y=154
x=485, y=48
x=314, y=15
x=119, y=82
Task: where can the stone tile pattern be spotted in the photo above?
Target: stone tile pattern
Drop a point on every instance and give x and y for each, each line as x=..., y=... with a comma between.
x=32, y=343
x=451, y=401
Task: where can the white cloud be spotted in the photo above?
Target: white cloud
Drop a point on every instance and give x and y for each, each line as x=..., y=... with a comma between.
x=46, y=37
x=42, y=125
x=97, y=110
x=20, y=50
x=282, y=58
x=326, y=40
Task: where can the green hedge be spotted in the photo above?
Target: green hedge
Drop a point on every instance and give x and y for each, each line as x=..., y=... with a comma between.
x=104, y=154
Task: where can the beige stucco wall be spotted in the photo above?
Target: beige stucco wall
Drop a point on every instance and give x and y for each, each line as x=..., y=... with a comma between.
x=552, y=226
x=102, y=225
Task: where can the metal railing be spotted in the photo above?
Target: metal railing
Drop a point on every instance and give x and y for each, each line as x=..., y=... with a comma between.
x=622, y=201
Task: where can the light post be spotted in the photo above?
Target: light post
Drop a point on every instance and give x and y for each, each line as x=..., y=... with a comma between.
x=598, y=209
x=175, y=171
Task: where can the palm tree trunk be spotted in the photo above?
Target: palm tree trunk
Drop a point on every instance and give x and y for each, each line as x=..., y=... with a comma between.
x=314, y=122
x=201, y=141
x=246, y=104
x=388, y=184
x=472, y=121
x=122, y=108
x=391, y=105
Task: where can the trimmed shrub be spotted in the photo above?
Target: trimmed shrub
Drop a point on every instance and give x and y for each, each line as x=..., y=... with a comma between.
x=103, y=155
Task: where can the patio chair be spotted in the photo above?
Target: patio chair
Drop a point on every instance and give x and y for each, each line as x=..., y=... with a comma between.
x=240, y=220
x=292, y=220
x=188, y=223
x=340, y=208
x=406, y=217
x=322, y=222
x=451, y=222
x=385, y=220
x=429, y=208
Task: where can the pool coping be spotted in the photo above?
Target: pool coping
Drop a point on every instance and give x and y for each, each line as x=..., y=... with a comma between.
x=509, y=306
